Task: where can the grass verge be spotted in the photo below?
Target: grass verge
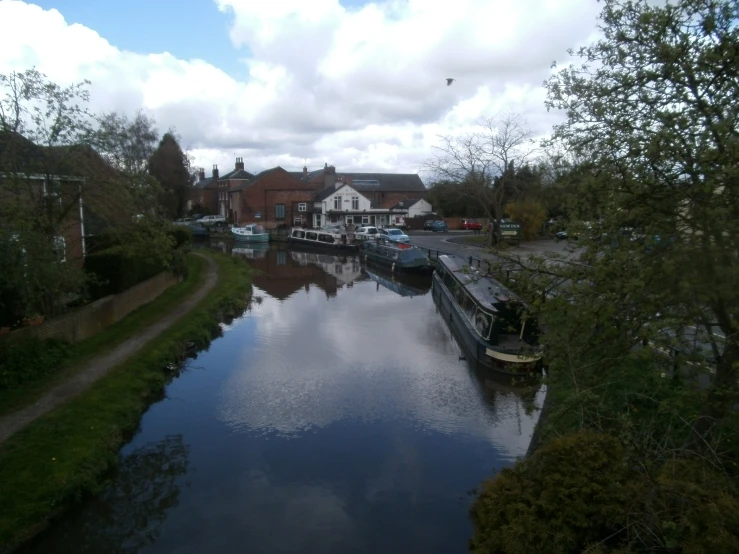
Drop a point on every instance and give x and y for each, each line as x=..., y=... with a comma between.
x=66, y=454
x=17, y=397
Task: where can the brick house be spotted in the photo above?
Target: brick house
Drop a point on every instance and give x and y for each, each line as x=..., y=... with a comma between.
x=274, y=198
x=362, y=198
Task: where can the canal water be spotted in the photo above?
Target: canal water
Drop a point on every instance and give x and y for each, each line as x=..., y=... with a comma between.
x=335, y=416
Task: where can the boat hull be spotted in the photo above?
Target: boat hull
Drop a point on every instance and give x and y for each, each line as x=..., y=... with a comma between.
x=258, y=238
x=479, y=350
x=395, y=267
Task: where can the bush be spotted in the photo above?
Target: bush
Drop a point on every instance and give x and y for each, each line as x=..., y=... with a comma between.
x=115, y=270
x=530, y=214
x=181, y=234
x=570, y=494
x=26, y=360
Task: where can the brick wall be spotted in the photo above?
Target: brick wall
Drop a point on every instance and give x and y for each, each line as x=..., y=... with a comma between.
x=85, y=322
x=275, y=187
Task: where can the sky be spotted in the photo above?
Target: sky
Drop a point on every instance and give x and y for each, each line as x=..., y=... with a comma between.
x=355, y=84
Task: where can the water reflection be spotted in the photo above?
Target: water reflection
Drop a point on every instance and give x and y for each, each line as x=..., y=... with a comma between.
x=129, y=514
x=335, y=416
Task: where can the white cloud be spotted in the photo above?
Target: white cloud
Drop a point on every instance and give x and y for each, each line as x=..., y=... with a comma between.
x=360, y=88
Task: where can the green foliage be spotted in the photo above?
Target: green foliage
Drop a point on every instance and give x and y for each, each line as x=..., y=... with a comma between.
x=530, y=214
x=27, y=360
x=568, y=495
x=170, y=166
x=116, y=270
x=181, y=234
x=56, y=460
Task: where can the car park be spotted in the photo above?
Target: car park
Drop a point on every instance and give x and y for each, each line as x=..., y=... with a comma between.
x=439, y=226
x=209, y=220
x=395, y=235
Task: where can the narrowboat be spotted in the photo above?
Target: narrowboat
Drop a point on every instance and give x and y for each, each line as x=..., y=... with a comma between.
x=324, y=239
x=490, y=322
x=397, y=257
x=252, y=232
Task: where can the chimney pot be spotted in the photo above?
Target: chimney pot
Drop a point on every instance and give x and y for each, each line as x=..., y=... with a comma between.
x=305, y=171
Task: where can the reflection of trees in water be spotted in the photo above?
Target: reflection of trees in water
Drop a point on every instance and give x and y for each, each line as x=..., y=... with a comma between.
x=128, y=515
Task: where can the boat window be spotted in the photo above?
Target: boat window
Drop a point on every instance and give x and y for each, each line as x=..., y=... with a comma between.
x=483, y=323
x=299, y=234
x=468, y=306
x=326, y=238
x=311, y=236
x=449, y=281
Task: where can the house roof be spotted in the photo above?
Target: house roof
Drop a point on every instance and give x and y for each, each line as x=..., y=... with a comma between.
x=407, y=203
x=381, y=182
x=326, y=192
x=237, y=174
x=202, y=183
x=256, y=178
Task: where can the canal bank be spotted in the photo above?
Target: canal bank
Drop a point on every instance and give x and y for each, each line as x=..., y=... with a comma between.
x=335, y=415
x=66, y=454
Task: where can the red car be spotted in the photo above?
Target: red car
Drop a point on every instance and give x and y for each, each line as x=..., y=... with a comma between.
x=470, y=225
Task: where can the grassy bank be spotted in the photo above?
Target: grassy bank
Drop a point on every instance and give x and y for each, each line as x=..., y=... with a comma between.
x=73, y=357
x=59, y=458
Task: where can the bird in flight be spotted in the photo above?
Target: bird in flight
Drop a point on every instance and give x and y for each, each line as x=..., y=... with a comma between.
x=449, y=81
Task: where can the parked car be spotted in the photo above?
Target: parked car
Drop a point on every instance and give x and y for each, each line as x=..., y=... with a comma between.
x=429, y=223
x=364, y=233
x=439, y=226
x=209, y=220
x=471, y=225
x=395, y=235
x=198, y=231
x=184, y=221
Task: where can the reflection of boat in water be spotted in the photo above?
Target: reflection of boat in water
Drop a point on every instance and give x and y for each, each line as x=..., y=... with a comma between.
x=344, y=268
x=252, y=232
x=404, y=285
x=398, y=257
x=487, y=318
x=254, y=251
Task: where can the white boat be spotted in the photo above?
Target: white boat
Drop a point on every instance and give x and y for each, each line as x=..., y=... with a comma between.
x=252, y=232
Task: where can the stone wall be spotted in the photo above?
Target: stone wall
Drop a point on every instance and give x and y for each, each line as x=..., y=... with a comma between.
x=84, y=322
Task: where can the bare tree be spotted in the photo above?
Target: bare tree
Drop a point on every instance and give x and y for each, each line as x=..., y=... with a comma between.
x=486, y=159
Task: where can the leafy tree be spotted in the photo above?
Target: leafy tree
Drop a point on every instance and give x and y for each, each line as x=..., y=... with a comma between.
x=642, y=325
x=531, y=214
x=169, y=165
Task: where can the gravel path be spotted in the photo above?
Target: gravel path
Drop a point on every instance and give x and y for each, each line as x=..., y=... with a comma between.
x=102, y=364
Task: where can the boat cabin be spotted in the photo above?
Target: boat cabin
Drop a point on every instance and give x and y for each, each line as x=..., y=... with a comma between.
x=495, y=313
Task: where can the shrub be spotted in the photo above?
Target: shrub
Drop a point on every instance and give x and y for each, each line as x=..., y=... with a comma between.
x=181, y=234
x=25, y=360
x=116, y=270
x=569, y=495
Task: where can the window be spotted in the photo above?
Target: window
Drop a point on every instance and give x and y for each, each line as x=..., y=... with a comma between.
x=337, y=202
x=297, y=221
x=60, y=247
x=311, y=236
x=355, y=202
x=365, y=219
x=299, y=234
x=382, y=196
x=302, y=207
x=279, y=211
x=482, y=323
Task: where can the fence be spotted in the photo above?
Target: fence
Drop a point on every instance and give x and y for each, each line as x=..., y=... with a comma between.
x=84, y=322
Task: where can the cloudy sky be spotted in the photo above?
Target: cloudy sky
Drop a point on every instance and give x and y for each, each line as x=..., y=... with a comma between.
x=357, y=84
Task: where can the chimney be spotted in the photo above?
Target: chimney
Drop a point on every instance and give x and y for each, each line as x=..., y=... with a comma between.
x=305, y=171
x=201, y=173
x=215, y=172
x=239, y=163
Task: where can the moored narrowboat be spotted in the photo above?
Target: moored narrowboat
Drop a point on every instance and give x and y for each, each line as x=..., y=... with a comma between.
x=492, y=324
x=322, y=239
x=397, y=257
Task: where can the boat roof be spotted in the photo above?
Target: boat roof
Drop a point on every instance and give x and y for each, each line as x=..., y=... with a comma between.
x=487, y=291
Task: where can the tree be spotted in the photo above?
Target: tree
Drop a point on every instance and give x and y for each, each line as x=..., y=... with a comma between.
x=486, y=159
x=127, y=145
x=642, y=336
x=169, y=165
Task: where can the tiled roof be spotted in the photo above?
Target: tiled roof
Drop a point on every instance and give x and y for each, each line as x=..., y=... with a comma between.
x=202, y=183
x=385, y=182
x=407, y=203
x=238, y=174
x=325, y=193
